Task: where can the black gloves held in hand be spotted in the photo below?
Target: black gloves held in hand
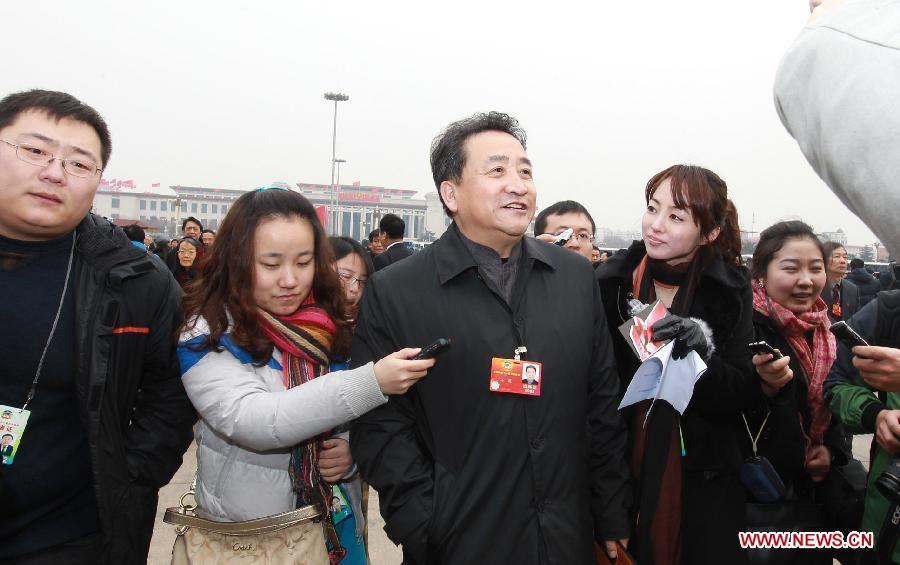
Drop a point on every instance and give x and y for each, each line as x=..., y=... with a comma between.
x=690, y=334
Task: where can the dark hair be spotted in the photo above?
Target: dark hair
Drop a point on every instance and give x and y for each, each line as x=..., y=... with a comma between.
x=343, y=246
x=705, y=195
x=185, y=275
x=448, y=156
x=393, y=226
x=134, y=232
x=8, y=435
x=207, y=231
x=197, y=247
x=191, y=219
x=561, y=207
x=857, y=263
x=373, y=234
x=773, y=238
x=57, y=105
x=226, y=281
x=830, y=247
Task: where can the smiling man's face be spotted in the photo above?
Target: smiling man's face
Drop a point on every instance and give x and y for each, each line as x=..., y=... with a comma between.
x=39, y=202
x=494, y=201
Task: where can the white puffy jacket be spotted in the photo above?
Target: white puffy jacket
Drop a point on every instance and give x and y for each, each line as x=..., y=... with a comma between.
x=249, y=422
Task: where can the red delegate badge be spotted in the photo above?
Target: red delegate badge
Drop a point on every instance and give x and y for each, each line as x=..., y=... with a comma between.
x=516, y=377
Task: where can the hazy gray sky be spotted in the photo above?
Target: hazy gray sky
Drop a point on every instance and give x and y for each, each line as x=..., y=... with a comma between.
x=229, y=94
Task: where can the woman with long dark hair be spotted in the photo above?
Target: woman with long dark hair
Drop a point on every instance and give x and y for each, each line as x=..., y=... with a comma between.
x=261, y=324
x=354, y=266
x=688, y=501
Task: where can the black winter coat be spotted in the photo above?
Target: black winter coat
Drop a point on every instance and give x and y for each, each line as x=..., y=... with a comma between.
x=783, y=439
x=867, y=284
x=465, y=475
x=713, y=498
x=133, y=406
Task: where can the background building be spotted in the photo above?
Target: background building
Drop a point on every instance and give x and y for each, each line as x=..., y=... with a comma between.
x=165, y=208
x=837, y=236
x=355, y=210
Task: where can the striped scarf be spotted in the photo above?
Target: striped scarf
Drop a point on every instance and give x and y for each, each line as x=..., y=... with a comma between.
x=304, y=339
x=815, y=361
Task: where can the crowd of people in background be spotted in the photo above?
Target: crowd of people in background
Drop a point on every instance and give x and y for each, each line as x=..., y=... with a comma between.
x=475, y=385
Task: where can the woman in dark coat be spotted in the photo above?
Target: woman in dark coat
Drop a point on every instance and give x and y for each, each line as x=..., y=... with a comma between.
x=689, y=502
x=787, y=418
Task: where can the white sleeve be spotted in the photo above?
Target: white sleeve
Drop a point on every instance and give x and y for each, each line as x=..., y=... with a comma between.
x=836, y=94
x=232, y=399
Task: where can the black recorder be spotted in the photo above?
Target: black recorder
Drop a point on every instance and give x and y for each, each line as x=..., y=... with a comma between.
x=762, y=347
x=433, y=349
x=847, y=335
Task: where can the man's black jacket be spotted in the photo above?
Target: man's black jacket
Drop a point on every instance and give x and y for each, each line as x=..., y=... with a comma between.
x=391, y=255
x=466, y=475
x=133, y=406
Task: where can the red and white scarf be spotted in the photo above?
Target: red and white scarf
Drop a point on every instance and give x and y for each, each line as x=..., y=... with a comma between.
x=816, y=361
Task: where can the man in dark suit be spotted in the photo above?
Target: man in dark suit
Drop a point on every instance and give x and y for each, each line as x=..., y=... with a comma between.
x=392, y=229
x=841, y=295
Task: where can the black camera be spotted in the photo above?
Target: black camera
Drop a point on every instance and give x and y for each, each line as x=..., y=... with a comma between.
x=888, y=482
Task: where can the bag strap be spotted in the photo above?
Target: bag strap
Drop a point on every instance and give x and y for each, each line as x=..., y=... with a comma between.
x=178, y=517
x=754, y=440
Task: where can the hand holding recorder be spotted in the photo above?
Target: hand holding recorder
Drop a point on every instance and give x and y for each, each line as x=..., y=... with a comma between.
x=772, y=367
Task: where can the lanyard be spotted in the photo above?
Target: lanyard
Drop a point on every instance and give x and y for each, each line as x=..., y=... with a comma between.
x=62, y=298
x=754, y=440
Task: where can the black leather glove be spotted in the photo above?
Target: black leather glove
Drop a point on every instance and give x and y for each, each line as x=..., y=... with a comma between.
x=688, y=334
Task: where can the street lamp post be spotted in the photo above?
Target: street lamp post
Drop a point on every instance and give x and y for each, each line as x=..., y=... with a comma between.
x=337, y=186
x=338, y=162
x=334, y=97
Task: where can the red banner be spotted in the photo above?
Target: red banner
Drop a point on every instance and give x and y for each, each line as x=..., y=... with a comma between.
x=359, y=197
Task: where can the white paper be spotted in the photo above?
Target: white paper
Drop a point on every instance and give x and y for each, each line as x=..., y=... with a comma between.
x=661, y=377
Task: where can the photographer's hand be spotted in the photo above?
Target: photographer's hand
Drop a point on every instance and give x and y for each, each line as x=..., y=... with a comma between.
x=878, y=366
x=887, y=430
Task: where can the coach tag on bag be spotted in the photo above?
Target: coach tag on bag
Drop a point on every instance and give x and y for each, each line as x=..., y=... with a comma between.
x=12, y=426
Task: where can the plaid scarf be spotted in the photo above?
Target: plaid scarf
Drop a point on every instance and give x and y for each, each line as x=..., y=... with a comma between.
x=815, y=361
x=304, y=339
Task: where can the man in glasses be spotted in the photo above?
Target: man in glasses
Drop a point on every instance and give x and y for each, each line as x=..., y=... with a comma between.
x=90, y=377
x=567, y=214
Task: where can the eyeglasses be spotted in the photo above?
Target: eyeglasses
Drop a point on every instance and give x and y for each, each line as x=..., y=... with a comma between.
x=582, y=237
x=78, y=167
x=349, y=279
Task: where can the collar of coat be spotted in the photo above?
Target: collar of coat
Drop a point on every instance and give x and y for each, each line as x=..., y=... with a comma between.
x=622, y=264
x=102, y=245
x=452, y=257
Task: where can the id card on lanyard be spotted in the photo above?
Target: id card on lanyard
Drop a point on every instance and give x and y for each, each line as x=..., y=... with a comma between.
x=12, y=426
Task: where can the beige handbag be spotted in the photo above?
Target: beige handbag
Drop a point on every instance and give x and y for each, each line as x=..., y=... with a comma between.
x=291, y=538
